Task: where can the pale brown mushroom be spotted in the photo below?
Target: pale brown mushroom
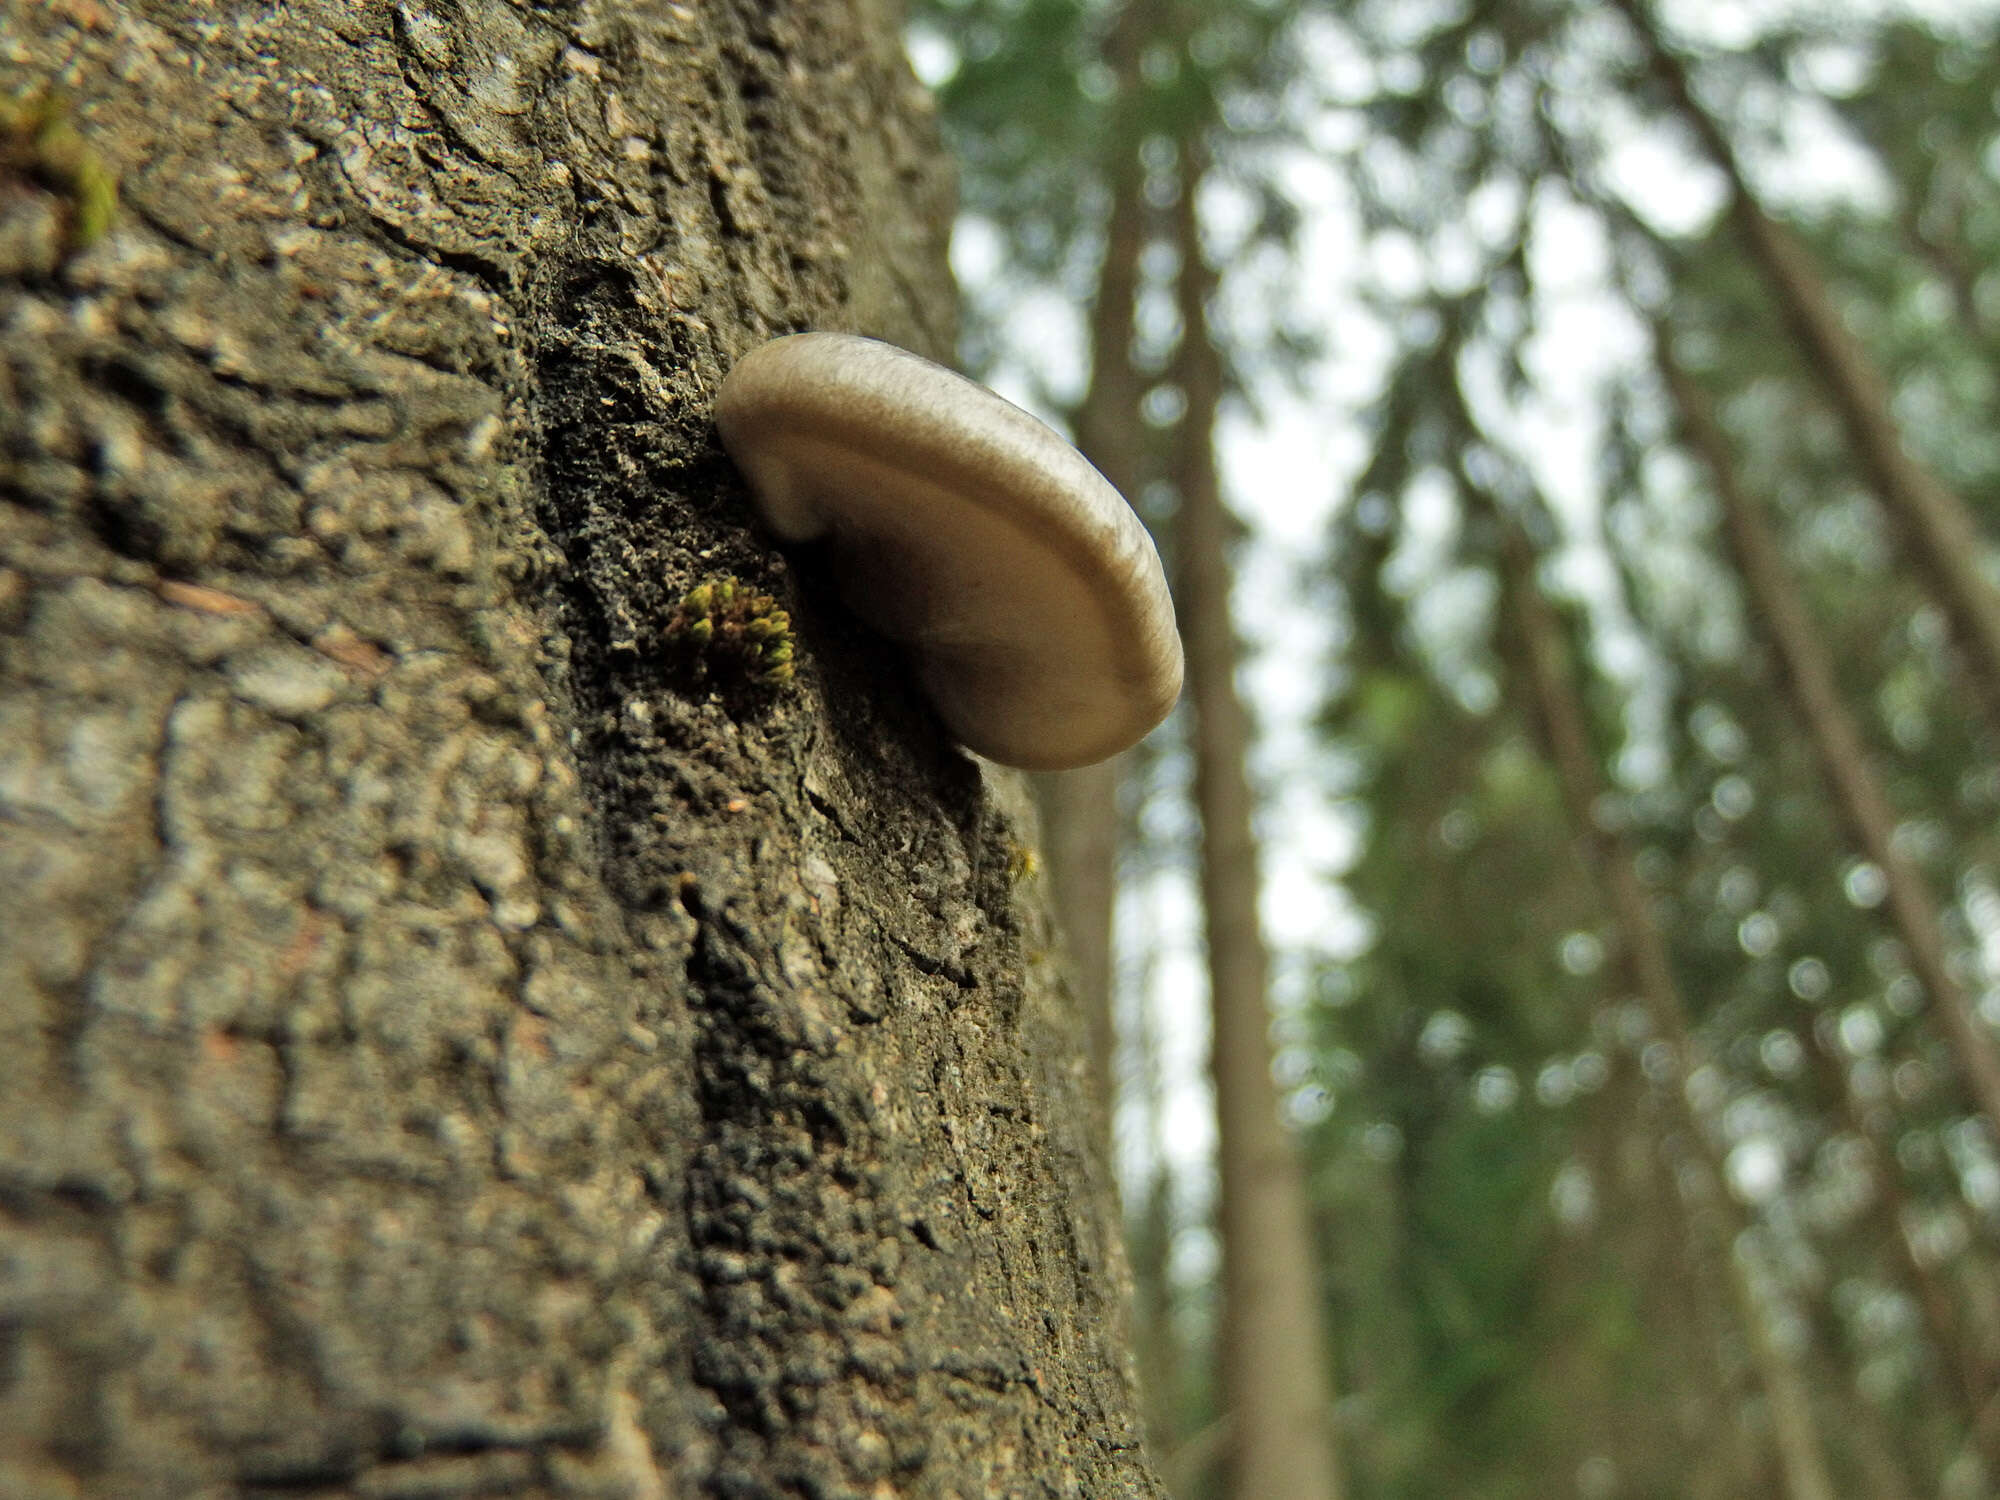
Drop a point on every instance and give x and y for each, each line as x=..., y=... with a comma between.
x=1027, y=592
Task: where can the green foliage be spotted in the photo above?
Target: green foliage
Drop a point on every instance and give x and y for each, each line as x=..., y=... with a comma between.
x=1034, y=112
x=1798, y=992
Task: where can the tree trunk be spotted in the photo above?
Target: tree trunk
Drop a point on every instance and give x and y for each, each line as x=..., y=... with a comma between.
x=1794, y=1430
x=1152, y=1223
x=1080, y=808
x=1781, y=615
x=1801, y=1454
x=1276, y=1377
x=1565, y=736
x=453, y=1037
x=1698, y=1444
x=1079, y=817
x=1157, y=1339
x=1940, y=532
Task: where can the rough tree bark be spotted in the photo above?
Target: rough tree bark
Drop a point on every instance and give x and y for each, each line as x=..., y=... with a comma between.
x=451, y=1039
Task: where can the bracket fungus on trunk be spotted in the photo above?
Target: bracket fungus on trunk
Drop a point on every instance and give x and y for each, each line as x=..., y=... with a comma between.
x=1025, y=589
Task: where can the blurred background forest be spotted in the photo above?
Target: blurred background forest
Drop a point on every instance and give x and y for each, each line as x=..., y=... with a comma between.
x=1570, y=426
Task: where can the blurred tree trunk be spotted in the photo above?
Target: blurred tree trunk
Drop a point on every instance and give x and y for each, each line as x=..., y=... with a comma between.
x=1715, y=1453
x=1779, y=612
x=1080, y=819
x=1543, y=657
x=1880, y=1453
x=1676, y=1436
x=1276, y=1376
x=1794, y=1430
x=1151, y=1227
x=1552, y=687
x=1157, y=1339
x=452, y=1039
x=1941, y=534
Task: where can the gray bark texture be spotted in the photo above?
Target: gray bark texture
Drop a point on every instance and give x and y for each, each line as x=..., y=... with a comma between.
x=454, y=1039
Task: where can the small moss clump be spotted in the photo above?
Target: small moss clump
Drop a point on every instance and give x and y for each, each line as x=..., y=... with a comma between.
x=39, y=142
x=729, y=628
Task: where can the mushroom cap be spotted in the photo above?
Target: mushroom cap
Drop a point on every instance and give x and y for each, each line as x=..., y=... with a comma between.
x=1027, y=592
